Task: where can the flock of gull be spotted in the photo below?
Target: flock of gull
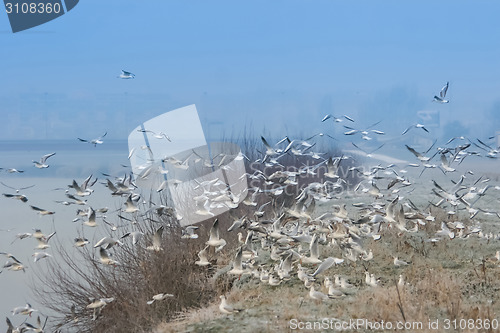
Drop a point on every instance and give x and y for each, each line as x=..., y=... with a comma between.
x=295, y=214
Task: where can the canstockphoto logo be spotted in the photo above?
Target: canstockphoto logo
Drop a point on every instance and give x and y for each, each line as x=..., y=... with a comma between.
x=26, y=14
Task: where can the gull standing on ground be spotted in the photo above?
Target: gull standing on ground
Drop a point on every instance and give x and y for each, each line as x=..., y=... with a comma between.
x=399, y=262
x=317, y=295
x=224, y=307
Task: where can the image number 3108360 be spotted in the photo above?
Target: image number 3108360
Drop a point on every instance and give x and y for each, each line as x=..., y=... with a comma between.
x=26, y=14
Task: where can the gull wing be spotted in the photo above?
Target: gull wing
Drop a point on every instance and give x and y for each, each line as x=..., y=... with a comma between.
x=444, y=90
x=157, y=237
x=325, y=118
x=45, y=157
x=313, y=247
x=327, y=263
x=103, y=253
x=364, y=151
x=413, y=151
x=264, y=141
x=127, y=73
x=214, y=231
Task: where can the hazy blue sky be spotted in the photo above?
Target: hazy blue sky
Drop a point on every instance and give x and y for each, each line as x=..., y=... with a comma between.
x=240, y=61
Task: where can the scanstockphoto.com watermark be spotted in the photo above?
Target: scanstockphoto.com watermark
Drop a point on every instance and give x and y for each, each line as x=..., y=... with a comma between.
x=362, y=324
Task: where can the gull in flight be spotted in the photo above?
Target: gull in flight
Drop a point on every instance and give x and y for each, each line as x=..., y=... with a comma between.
x=415, y=126
x=131, y=207
x=442, y=95
x=126, y=75
x=327, y=263
x=136, y=236
x=13, y=170
x=156, y=246
x=159, y=297
x=79, y=242
x=23, y=310
x=368, y=153
x=14, y=265
x=421, y=157
x=105, y=259
x=96, y=141
x=336, y=119
x=107, y=243
x=98, y=305
x=159, y=135
x=40, y=255
x=270, y=151
x=203, y=257
x=83, y=190
x=364, y=132
x=41, y=164
x=21, y=197
x=214, y=239
x=91, y=218
x=314, y=252
x=332, y=168
x=38, y=328
x=189, y=232
x=42, y=211
x=238, y=264
x=445, y=164
x=43, y=241
x=17, y=189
